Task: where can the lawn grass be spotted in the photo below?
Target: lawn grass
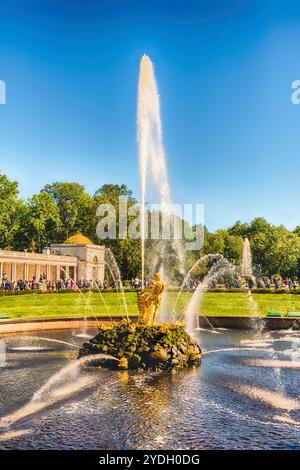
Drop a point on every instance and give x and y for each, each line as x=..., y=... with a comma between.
x=214, y=303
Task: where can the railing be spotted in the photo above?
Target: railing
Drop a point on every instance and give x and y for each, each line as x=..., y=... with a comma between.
x=17, y=255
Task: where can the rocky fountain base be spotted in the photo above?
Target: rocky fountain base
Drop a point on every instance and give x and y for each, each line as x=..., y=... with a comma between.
x=141, y=347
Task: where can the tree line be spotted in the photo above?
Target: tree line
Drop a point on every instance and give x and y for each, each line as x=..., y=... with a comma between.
x=62, y=209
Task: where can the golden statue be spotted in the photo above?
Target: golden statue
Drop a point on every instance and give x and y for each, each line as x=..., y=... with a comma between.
x=149, y=301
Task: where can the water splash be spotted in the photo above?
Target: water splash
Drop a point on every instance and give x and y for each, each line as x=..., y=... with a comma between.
x=286, y=420
x=271, y=398
x=203, y=259
x=164, y=311
x=83, y=335
x=220, y=267
x=273, y=363
x=213, y=351
x=287, y=339
x=114, y=269
x=29, y=349
x=51, y=340
x=87, y=300
x=62, y=385
x=7, y=436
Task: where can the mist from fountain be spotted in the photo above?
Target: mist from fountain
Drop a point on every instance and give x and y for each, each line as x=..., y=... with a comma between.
x=221, y=267
x=209, y=257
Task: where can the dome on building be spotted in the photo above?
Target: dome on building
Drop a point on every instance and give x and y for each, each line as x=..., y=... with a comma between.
x=78, y=239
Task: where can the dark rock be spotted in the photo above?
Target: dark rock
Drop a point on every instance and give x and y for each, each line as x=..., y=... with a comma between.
x=162, y=346
x=160, y=354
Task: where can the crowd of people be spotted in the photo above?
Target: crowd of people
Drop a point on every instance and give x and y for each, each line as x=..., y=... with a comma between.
x=260, y=283
x=136, y=282
x=287, y=283
x=41, y=283
x=276, y=281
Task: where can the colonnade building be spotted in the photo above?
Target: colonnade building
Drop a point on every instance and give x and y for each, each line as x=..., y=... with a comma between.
x=77, y=258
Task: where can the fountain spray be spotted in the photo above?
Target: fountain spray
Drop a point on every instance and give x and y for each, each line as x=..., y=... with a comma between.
x=152, y=156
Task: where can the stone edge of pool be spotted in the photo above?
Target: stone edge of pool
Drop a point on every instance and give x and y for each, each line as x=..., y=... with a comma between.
x=21, y=325
x=248, y=323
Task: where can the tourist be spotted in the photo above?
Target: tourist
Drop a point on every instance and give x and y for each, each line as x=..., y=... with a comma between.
x=260, y=283
x=267, y=282
x=43, y=285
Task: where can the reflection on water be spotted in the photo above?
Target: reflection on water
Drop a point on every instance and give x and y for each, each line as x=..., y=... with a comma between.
x=244, y=395
x=13, y=435
x=273, y=363
x=271, y=398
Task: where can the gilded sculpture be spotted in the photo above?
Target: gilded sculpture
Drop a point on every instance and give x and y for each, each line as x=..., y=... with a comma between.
x=149, y=301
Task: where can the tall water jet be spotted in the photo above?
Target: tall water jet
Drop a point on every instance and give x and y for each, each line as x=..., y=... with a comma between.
x=247, y=270
x=152, y=158
x=151, y=148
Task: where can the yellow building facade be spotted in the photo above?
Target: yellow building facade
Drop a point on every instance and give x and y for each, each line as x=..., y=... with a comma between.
x=77, y=258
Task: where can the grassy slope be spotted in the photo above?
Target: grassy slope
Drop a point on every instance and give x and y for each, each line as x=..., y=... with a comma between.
x=35, y=305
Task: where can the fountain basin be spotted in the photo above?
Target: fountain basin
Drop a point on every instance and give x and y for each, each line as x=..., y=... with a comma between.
x=159, y=347
x=186, y=409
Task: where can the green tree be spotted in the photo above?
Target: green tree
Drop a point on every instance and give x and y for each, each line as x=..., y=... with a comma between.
x=109, y=192
x=76, y=209
x=258, y=225
x=215, y=242
x=10, y=211
x=240, y=229
x=126, y=251
x=261, y=236
x=42, y=221
x=233, y=249
x=284, y=254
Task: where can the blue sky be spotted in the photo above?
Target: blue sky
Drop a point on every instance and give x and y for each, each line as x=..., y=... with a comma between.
x=224, y=71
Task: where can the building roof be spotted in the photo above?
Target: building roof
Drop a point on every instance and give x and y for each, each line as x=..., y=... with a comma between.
x=78, y=239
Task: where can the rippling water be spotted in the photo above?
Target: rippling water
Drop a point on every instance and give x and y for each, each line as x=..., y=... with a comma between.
x=244, y=395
